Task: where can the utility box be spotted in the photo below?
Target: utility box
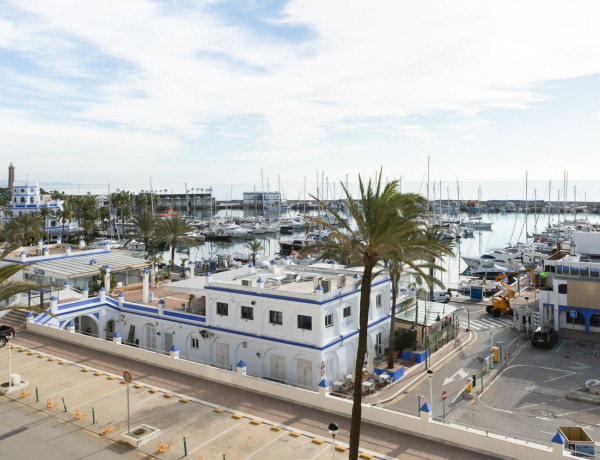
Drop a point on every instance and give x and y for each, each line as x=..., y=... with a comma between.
x=496, y=354
x=577, y=441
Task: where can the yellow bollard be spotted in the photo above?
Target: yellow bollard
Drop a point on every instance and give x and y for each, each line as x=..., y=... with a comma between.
x=496, y=354
x=469, y=385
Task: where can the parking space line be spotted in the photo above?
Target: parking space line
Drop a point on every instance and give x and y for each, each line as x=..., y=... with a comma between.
x=595, y=351
x=560, y=346
x=266, y=445
x=213, y=438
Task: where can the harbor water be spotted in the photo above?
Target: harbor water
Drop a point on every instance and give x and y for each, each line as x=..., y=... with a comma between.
x=507, y=228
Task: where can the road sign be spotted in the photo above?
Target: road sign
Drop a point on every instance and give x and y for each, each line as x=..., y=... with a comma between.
x=573, y=314
x=127, y=376
x=444, y=394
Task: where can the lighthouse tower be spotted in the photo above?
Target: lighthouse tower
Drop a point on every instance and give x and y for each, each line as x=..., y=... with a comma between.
x=11, y=176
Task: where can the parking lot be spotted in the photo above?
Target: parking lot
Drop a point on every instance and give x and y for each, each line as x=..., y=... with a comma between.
x=59, y=388
x=528, y=398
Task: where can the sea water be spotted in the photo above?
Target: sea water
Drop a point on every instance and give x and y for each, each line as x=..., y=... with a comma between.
x=507, y=228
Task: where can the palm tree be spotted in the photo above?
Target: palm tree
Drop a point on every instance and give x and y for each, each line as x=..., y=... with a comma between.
x=254, y=246
x=64, y=215
x=9, y=289
x=413, y=252
x=121, y=199
x=377, y=226
x=26, y=228
x=145, y=224
x=172, y=231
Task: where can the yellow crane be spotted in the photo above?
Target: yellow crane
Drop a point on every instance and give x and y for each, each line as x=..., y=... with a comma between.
x=501, y=303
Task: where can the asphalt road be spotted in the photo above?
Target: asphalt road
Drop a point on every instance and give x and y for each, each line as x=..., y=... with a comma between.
x=526, y=399
x=378, y=439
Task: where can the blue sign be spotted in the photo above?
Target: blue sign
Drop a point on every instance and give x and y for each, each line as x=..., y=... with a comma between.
x=573, y=314
x=38, y=271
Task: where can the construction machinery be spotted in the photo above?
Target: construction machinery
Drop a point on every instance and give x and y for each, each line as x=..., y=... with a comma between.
x=501, y=302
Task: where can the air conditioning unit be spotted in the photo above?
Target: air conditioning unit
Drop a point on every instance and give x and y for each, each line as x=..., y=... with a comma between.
x=326, y=286
x=247, y=283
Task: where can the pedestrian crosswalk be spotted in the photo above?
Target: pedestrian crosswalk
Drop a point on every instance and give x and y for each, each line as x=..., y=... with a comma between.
x=488, y=323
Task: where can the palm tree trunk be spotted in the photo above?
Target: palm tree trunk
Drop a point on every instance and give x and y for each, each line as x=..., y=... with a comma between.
x=365, y=297
x=173, y=244
x=392, y=329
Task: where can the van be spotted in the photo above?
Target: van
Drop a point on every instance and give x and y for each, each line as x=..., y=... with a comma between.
x=441, y=296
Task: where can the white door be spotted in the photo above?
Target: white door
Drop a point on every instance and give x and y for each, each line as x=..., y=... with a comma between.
x=168, y=341
x=304, y=368
x=150, y=336
x=378, y=344
x=278, y=367
x=222, y=357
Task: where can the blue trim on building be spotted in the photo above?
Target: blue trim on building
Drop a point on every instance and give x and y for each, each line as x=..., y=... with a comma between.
x=113, y=305
x=48, y=259
x=587, y=314
x=175, y=314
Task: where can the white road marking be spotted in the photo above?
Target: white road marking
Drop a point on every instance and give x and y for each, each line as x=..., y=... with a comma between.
x=495, y=408
x=544, y=418
x=459, y=374
x=562, y=376
x=562, y=342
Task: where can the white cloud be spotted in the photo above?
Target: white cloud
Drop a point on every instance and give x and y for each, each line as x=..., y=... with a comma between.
x=164, y=76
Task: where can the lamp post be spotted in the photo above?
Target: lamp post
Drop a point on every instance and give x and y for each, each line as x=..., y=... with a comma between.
x=430, y=373
x=9, y=336
x=526, y=312
x=333, y=430
x=419, y=395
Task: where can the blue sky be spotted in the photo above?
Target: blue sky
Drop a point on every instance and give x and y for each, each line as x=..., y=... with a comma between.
x=211, y=93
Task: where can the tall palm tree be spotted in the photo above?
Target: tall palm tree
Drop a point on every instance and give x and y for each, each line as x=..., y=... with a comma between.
x=145, y=224
x=254, y=246
x=413, y=252
x=172, y=231
x=377, y=225
x=121, y=199
x=64, y=215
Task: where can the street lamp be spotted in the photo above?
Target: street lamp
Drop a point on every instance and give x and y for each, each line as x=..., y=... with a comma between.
x=333, y=430
x=430, y=373
x=526, y=312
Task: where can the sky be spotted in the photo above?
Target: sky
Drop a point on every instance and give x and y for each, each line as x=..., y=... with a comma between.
x=230, y=95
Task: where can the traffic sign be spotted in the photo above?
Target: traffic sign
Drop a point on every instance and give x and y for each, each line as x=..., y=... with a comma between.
x=573, y=314
x=444, y=394
x=127, y=376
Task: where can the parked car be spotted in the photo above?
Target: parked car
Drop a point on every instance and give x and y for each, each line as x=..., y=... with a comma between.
x=6, y=333
x=441, y=296
x=544, y=337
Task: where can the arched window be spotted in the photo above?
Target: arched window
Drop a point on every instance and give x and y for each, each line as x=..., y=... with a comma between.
x=31, y=199
x=595, y=320
x=22, y=199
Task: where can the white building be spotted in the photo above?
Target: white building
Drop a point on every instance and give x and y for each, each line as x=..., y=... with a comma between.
x=294, y=324
x=570, y=299
x=26, y=199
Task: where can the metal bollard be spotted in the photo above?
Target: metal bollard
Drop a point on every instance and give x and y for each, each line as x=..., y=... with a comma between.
x=64, y=405
x=93, y=417
x=37, y=396
x=184, y=447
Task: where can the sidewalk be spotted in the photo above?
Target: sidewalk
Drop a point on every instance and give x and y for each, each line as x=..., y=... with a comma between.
x=417, y=371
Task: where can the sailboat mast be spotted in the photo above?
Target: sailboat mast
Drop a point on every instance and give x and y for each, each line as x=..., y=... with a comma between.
x=526, y=210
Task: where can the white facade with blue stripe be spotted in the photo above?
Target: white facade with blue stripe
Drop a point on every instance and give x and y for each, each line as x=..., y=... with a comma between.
x=294, y=324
